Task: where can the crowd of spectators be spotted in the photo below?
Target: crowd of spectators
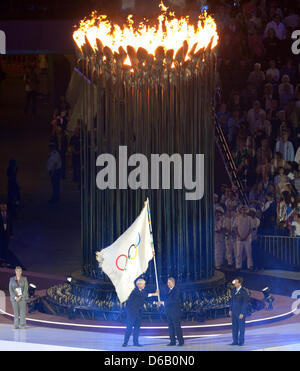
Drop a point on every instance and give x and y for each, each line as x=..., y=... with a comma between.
x=259, y=107
x=62, y=143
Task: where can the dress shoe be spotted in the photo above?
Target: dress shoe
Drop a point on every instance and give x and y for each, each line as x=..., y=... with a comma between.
x=180, y=345
x=241, y=344
x=124, y=345
x=137, y=345
x=171, y=344
x=234, y=344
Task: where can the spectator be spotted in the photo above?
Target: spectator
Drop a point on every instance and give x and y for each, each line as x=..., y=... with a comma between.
x=277, y=26
x=292, y=19
x=284, y=207
x=296, y=226
x=254, y=116
x=290, y=70
x=285, y=91
x=223, y=117
x=61, y=142
x=31, y=87
x=246, y=172
x=54, y=170
x=285, y=147
x=269, y=215
x=271, y=44
x=233, y=125
x=264, y=151
x=273, y=70
x=264, y=108
x=257, y=76
x=243, y=226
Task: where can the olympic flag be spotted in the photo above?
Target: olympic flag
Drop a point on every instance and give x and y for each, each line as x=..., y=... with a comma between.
x=128, y=257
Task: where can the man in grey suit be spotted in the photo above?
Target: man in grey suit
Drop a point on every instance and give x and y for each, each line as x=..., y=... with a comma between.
x=18, y=289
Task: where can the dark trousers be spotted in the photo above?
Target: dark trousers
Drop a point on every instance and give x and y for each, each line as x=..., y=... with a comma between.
x=238, y=328
x=55, y=182
x=135, y=324
x=175, y=330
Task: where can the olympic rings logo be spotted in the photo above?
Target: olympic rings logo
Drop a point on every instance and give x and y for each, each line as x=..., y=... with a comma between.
x=122, y=260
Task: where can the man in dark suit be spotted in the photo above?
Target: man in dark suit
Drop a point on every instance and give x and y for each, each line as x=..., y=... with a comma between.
x=5, y=230
x=133, y=312
x=172, y=305
x=238, y=311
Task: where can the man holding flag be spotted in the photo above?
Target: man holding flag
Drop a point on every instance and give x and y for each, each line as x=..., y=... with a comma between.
x=172, y=305
x=133, y=310
x=126, y=260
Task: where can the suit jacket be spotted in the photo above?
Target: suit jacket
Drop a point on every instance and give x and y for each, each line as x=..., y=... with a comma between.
x=135, y=303
x=239, y=302
x=13, y=284
x=173, y=303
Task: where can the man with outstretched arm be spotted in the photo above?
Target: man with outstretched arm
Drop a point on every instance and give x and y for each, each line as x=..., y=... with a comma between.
x=133, y=312
x=172, y=305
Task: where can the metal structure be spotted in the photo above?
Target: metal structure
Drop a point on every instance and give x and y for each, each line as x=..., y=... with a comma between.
x=282, y=252
x=229, y=164
x=159, y=105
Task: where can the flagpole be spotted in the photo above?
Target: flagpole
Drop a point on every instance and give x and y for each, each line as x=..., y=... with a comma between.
x=154, y=260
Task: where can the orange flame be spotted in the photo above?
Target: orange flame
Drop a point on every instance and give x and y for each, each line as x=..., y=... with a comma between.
x=170, y=33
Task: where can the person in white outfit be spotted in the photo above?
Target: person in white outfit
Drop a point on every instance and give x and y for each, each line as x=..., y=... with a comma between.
x=219, y=237
x=232, y=201
x=277, y=26
x=243, y=226
x=230, y=239
x=256, y=224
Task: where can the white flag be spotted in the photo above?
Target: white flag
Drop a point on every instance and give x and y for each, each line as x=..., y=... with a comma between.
x=128, y=257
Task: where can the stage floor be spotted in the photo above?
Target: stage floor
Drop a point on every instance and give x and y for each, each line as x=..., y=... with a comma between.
x=284, y=336
x=52, y=333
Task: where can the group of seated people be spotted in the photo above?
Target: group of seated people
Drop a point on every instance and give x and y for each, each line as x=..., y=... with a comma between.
x=259, y=108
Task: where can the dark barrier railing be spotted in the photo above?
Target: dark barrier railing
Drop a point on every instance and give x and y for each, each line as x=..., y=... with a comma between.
x=285, y=250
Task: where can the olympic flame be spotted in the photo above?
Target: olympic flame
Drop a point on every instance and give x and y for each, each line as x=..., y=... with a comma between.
x=169, y=32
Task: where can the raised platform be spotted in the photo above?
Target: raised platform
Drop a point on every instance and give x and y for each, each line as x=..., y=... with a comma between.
x=80, y=280
x=96, y=299
x=282, y=311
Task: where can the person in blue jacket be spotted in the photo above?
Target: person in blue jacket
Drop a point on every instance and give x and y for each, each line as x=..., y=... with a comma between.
x=238, y=311
x=172, y=304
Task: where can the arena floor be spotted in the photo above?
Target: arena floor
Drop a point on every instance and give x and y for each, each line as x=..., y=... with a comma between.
x=282, y=336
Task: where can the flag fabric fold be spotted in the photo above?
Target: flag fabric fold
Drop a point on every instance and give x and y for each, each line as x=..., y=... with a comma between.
x=128, y=257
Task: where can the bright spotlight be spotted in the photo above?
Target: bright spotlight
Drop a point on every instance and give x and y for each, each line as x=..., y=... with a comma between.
x=31, y=290
x=268, y=297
